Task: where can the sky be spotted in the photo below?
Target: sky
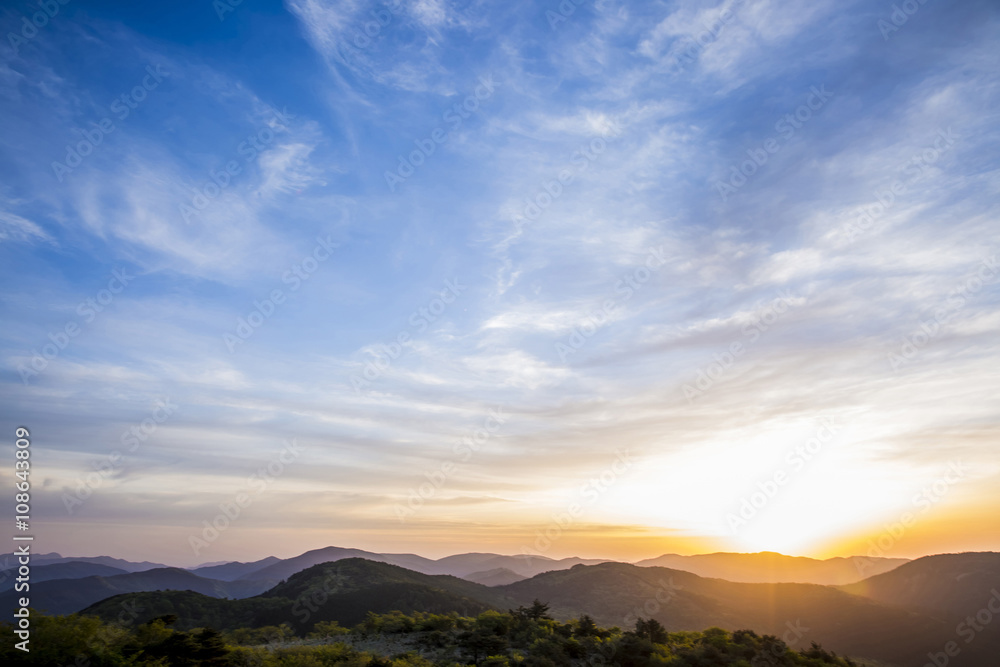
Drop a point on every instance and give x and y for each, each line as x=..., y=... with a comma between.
x=595, y=278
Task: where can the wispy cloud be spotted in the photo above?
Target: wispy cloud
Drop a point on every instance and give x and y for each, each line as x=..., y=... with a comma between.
x=603, y=140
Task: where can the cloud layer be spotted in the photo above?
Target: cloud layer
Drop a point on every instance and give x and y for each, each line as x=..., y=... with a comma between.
x=465, y=255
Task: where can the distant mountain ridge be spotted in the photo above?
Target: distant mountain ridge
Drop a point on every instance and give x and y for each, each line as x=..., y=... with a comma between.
x=460, y=565
x=77, y=583
x=500, y=576
x=770, y=567
x=69, y=585
x=763, y=567
x=69, y=570
x=64, y=585
x=956, y=584
x=233, y=570
x=67, y=596
x=128, y=566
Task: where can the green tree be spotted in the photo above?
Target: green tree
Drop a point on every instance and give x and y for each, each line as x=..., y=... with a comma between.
x=586, y=627
x=538, y=610
x=480, y=642
x=210, y=650
x=652, y=630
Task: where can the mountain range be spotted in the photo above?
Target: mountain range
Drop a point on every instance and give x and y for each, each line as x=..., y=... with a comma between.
x=66, y=585
x=768, y=567
x=68, y=570
x=888, y=617
x=66, y=596
x=461, y=565
x=956, y=584
x=918, y=606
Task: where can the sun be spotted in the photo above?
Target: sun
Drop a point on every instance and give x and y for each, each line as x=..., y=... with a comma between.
x=760, y=495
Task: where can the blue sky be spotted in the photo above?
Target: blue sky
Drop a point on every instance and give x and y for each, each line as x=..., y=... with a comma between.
x=614, y=227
